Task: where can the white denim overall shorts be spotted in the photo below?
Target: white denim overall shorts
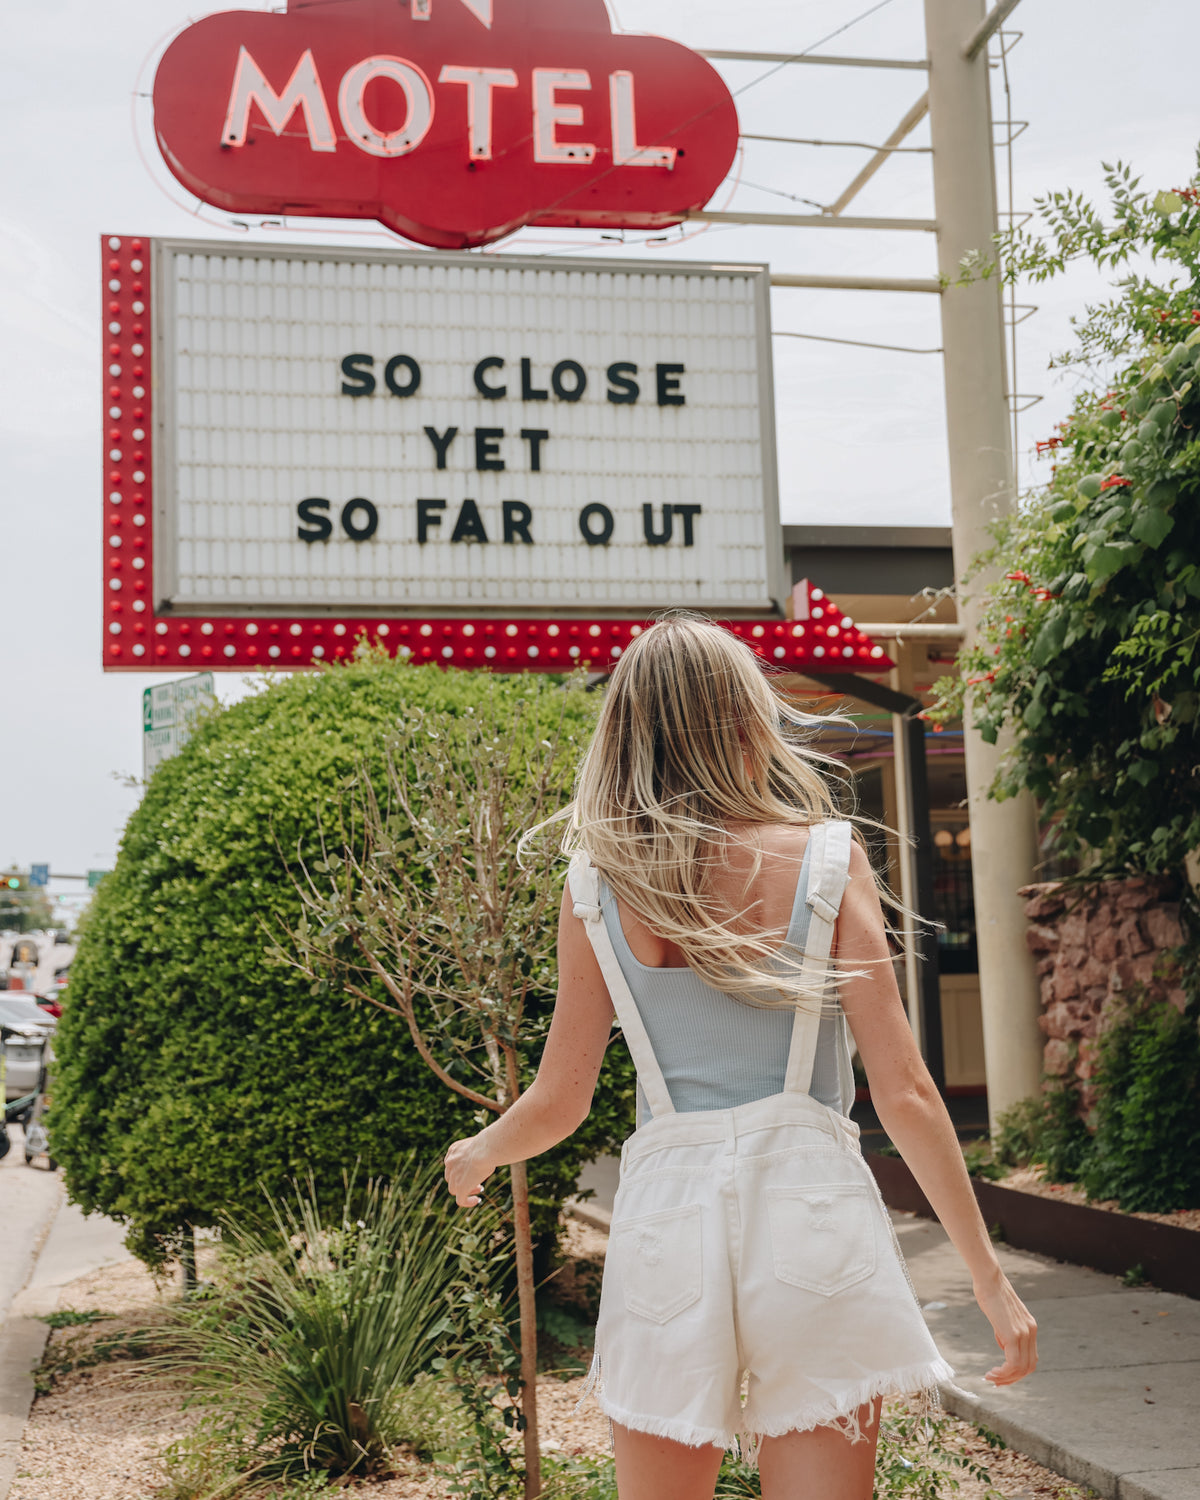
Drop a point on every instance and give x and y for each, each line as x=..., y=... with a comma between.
x=753, y=1285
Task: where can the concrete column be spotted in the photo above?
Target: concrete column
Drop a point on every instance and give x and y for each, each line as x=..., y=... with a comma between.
x=1003, y=834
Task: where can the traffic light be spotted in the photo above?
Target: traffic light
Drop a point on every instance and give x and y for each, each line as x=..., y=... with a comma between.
x=13, y=882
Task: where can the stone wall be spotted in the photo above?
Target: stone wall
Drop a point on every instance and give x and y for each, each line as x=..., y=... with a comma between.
x=1092, y=943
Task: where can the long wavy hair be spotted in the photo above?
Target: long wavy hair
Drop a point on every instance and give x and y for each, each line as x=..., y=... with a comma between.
x=693, y=752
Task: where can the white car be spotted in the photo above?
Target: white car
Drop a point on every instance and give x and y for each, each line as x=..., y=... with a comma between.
x=26, y=1030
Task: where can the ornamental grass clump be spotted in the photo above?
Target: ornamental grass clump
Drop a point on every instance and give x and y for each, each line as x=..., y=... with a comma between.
x=306, y=1344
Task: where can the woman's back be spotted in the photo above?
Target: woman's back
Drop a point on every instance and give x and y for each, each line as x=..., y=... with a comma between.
x=715, y=1051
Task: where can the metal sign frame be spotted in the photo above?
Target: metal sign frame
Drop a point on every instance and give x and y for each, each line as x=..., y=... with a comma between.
x=141, y=635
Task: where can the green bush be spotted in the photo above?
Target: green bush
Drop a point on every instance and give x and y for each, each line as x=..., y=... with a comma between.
x=1146, y=1149
x=191, y=1075
x=1048, y=1130
x=1088, y=646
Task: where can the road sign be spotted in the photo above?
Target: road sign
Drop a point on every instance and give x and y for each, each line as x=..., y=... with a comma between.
x=39, y=875
x=94, y=877
x=169, y=715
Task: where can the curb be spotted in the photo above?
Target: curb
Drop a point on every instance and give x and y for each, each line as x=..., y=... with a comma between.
x=22, y=1340
x=23, y=1335
x=1044, y=1450
x=586, y=1212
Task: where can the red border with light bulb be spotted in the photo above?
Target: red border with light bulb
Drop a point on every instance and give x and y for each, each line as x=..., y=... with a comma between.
x=818, y=636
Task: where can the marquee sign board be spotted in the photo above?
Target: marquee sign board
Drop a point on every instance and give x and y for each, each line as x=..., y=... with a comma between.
x=453, y=122
x=474, y=460
x=418, y=433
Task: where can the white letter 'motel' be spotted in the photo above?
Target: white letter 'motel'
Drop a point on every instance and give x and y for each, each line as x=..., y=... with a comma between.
x=422, y=10
x=626, y=151
x=302, y=91
x=418, y=97
x=549, y=114
x=480, y=82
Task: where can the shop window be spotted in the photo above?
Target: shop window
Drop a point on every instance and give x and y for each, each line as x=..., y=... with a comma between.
x=954, y=899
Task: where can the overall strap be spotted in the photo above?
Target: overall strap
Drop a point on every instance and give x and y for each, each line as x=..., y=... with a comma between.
x=828, y=874
x=585, y=893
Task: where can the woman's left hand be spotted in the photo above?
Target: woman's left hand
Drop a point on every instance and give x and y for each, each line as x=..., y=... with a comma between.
x=467, y=1169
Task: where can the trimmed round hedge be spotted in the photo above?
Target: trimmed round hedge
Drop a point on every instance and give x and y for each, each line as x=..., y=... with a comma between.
x=191, y=1074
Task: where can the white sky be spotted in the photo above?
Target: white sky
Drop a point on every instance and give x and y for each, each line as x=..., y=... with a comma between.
x=862, y=437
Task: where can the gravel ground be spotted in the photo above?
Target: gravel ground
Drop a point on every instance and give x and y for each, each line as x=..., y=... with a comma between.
x=1031, y=1180
x=100, y=1432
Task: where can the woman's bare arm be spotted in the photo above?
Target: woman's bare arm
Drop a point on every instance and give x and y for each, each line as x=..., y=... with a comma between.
x=558, y=1100
x=915, y=1118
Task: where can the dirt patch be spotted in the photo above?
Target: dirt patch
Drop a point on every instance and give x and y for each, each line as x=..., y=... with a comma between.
x=98, y=1433
x=1032, y=1180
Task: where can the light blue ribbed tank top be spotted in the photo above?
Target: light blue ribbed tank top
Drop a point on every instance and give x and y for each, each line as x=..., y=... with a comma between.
x=716, y=1052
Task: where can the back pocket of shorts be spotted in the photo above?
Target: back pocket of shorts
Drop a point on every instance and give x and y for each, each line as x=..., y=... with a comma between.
x=657, y=1259
x=822, y=1238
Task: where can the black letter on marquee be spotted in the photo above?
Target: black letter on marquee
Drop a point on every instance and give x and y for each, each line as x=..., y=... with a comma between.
x=365, y=385
x=427, y=516
x=528, y=393
x=442, y=443
x=517, y=517
x=414, y=375
x=668, y=385
x=469, y=526
x=568, y=393
x=369, y=527
x=492, y=392
x=535, y=437
x=599, y=513
x=309, y=511
x=487, y=449
x=685, y=514
x=656, y=538
x=622, y=390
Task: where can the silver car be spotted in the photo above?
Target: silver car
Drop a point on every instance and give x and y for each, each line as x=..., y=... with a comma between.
x=26, y=1030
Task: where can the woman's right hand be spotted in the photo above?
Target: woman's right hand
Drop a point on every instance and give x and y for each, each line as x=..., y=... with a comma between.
x=1014, y=1327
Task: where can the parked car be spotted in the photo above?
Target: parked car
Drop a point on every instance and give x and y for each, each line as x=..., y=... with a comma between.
x=52, y=997
x=25, y=1032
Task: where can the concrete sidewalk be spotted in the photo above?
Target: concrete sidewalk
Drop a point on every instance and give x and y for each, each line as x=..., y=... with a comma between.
x=47, y=1243
x=1115, y=1401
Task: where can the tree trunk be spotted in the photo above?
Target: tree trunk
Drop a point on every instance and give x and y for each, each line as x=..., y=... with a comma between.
x=187, y=1259
x=523, y=1242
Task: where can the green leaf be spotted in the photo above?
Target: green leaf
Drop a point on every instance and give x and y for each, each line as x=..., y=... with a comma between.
x=1050, y=639
x=1105, y=561
x=1152, y=526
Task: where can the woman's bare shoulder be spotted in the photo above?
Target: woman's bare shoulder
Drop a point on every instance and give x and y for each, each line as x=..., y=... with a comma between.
x=783, y=841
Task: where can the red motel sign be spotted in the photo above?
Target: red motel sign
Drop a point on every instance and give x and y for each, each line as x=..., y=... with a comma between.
x=453, y=122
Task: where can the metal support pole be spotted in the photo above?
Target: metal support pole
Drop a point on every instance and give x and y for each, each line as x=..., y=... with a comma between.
x=1003, y=835
x=905, y=128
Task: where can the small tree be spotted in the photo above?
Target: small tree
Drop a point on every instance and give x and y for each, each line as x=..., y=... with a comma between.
x=418, y=907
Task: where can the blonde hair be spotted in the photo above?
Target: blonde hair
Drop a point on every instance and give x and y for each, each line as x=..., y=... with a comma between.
x=691, y=739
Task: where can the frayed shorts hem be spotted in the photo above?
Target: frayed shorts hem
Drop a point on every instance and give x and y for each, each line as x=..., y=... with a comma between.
x=840, y=1412
x=667, y=1427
